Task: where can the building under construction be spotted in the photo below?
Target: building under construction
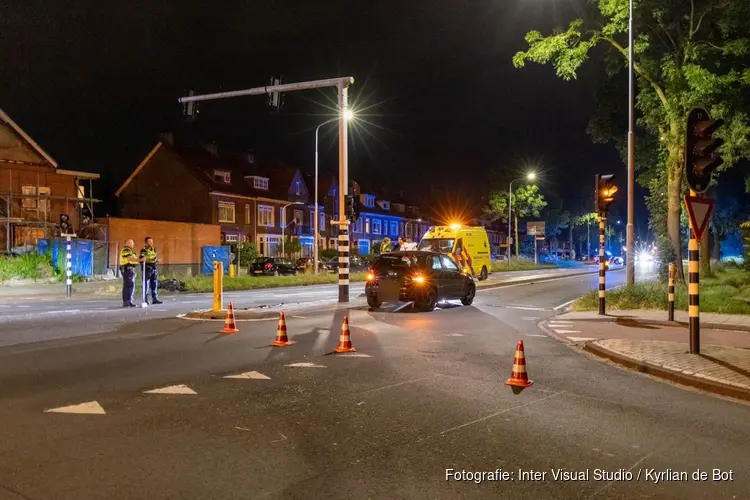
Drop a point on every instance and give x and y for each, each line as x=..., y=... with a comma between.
x=35, y=193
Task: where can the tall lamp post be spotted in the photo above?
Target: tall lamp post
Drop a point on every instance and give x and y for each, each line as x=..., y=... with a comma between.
x=348, y=115
x=283, y=222
x=530, y=177
x=406, y=226
x=629, y=246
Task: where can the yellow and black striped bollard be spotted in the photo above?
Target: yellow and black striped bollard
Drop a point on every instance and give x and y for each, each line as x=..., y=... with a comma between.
x=693, y=301
x=670, y=304
x=602, y=267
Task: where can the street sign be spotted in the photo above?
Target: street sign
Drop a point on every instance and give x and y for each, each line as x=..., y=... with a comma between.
x=699, y=210
x=535, y=228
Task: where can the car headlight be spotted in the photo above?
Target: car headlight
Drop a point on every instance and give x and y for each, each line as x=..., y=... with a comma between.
x=418, y=279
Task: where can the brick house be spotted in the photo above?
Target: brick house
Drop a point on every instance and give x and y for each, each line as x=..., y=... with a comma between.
x=34, y=191
x=251, y=203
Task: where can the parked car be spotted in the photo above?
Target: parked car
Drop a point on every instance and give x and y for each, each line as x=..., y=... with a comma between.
x=272, y=266
x=424, y=278
x=356, y=264
x=305, y=264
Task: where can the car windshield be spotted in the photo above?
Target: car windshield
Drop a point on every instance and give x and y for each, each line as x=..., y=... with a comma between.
x=386, y=262
x=442, y=245
x=262, y=260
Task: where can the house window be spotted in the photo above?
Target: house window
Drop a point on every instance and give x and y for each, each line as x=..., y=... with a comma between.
x=297, y=188
x=358, y=226
x=401, y=229
x=258, y=182
x=247, y=214
x=375, y=226
x=370, y=201
x=394, y=228
x=322, y=226
x=399, y=207
x=265, y=215
x=367, y=226
x=232, y=238
x=385, y=205
x=226, y=211
x=298, y=217
x=222, y=176
x=30, y=202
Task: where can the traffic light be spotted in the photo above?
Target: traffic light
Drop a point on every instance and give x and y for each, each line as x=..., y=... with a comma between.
x=352, y=202
x=605, y=193
x=64, y=224
x=700, y=145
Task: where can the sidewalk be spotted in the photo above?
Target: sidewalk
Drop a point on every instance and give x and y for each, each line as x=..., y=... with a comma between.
x=57, y=290
x=646, y=342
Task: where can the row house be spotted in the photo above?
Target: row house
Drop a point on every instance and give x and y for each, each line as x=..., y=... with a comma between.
x=250, y=203
x=35, y=191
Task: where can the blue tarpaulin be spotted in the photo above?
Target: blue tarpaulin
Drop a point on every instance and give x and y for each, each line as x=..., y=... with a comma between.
x=210, y=254
x=82, y=254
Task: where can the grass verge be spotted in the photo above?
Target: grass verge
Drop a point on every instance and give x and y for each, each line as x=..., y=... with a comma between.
x=500, y=266
x=199, y=284
x=728, y=292
x=26, y=266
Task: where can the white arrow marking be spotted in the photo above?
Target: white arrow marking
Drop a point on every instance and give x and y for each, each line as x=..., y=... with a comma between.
x=283, y=438
x=355, y=355
x=90, y=408
x=172, y=389
x=581, y=339
x=455, y=335
x=251, y=375
x=305, y=365
x=567, y=331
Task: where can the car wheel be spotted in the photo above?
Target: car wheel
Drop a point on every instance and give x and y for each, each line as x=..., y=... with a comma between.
x=373, y=302
x=483, y=274
x=429, y=301
x=471, y=292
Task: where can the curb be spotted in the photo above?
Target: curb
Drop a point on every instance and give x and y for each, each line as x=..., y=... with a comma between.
x=659, y=322
x=663, y=373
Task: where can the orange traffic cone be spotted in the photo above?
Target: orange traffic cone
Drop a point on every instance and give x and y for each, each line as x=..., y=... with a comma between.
x=229, y=325
x=519, y=377
x=345, y=341
x=281, y=339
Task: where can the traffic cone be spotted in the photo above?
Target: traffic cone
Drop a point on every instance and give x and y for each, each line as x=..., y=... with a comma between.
x=229, y=324
x=281, y=339
x=345, y=341
x=519, y=377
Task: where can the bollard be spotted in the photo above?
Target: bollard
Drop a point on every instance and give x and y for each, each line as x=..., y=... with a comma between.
x=231, y=270
x=670, y=291
x=602, y=268
x=68, y=268
x=693, y=284
x=144, y=285
x=218, y=286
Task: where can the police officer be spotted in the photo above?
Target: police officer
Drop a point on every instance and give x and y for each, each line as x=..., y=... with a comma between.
x=148, y=255
x=128, y=261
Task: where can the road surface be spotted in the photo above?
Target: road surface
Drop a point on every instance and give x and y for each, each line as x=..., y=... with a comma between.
x=424, y=401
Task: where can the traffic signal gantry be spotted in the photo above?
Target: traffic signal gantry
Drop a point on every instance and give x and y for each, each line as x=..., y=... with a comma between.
x=700, y=162
x=605, y=190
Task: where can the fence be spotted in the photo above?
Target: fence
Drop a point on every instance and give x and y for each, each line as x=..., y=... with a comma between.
x=82, y=253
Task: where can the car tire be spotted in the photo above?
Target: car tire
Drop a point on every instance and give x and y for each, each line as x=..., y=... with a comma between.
x=471, y=292
x=483, y=273
x=429, y=302
x=374, y=303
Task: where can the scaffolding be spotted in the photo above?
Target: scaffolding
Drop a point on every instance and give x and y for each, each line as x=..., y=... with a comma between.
x=14, y=214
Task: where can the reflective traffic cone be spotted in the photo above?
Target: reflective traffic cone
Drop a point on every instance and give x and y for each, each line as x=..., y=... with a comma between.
x=229, y=325
x=519, y=377
x=345, y=341
x=281, y=339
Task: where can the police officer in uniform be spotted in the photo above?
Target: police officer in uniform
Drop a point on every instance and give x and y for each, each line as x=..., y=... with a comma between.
x=148, y=255
x=128, y=261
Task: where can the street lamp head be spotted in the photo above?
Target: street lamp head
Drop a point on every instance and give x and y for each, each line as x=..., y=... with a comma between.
x=531, y=176
x=348, y=115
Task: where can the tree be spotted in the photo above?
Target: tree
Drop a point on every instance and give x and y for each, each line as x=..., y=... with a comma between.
x=687, y=54
x=248, y=252
x=587, y=220
x=556, y=220
x=292, y=246
x=527, y=201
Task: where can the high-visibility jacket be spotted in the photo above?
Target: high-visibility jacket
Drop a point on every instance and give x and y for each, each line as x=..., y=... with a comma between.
x=127, y=257
x=149, y=255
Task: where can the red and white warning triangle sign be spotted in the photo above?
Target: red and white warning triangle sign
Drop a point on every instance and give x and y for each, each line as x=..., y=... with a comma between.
x=699, y=210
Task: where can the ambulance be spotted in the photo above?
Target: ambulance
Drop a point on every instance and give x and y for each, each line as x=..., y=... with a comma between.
x=467, y=245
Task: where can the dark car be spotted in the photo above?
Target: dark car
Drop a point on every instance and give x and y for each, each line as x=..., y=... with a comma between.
x=355, y=264
x=272, y=266
x=424, y=278
x=305, y=264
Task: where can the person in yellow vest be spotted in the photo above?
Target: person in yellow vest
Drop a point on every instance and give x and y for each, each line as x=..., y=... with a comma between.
x=128, y=261
x=148, y=255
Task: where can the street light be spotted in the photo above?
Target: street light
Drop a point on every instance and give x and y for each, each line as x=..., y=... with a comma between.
x=530, y=177
x=630, y=265
x=283, y=222
x=348, y=115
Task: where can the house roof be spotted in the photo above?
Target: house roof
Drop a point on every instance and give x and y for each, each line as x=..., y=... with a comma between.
x=27, y=138
x=202, y=164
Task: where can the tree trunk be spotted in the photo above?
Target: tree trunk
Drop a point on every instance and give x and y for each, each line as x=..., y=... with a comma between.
x=570, y=238
x=705, y=255
x=516, y=220
x=674, y=206
x=717, y=246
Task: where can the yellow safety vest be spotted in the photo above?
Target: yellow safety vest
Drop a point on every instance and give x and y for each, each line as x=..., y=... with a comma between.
x=149, y=253
x=126, y=254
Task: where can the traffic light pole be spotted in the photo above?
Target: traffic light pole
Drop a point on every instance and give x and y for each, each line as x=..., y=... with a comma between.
x=629, y=242
x=693, y=286
x=602, y=267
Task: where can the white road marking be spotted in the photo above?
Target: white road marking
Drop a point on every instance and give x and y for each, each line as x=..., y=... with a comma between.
x=353, y=355
x=172, y=389
x=455, y=334
x=395, y=385
x=529, y=318
x=565, y=332
x=283, y=438
x=560, y=323
x=249, y=375
x=534, y=335
x=563, y=305
x=88, y=408
x=581, y=339
x=299, y=317
x=305, y=365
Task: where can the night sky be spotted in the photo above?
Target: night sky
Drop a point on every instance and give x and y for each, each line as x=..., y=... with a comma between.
x=95, y=82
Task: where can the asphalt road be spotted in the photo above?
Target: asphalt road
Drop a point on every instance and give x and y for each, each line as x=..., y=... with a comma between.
x=429, y=396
